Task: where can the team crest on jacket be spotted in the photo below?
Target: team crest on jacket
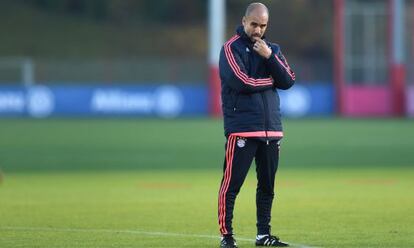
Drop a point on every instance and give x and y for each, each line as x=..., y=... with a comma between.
x=241, y=143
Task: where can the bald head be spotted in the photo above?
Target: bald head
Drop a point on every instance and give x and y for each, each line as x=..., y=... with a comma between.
x=255, y=20
x=256, y=8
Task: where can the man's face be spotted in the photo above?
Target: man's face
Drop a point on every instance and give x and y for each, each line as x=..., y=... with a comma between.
x=255, y=24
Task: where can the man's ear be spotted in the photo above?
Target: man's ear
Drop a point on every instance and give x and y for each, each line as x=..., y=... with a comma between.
x=244, y=20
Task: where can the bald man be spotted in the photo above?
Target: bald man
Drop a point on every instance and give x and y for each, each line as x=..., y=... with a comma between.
x=251, y=71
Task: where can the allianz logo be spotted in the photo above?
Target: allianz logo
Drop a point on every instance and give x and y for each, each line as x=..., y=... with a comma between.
x=164, y=101
x=120, y=101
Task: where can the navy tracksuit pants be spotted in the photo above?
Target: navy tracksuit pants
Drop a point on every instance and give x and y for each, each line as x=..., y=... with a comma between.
x=239, y=156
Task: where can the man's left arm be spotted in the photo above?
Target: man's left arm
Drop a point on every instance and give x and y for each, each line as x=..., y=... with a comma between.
x=280, y=70
x=282, y=74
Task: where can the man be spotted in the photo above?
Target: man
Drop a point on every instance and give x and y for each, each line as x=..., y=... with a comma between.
x=251, y=69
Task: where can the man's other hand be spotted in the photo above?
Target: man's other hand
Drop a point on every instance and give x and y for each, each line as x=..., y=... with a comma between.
x=262, y=49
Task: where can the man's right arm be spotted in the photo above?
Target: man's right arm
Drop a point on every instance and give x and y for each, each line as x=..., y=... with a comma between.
x=233, y=71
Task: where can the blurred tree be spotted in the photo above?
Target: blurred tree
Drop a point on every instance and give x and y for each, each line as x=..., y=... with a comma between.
x=303, y=27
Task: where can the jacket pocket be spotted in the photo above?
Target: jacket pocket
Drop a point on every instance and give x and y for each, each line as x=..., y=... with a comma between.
x=245, y=103
x=273, y=101
x=236, y=100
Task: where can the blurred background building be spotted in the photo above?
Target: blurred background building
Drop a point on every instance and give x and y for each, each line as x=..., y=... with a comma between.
x=146, y=58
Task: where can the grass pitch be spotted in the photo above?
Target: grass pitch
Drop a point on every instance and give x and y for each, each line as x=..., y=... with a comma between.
x=148, y=183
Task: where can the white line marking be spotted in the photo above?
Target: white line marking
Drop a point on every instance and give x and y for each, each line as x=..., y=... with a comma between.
x=166, y=234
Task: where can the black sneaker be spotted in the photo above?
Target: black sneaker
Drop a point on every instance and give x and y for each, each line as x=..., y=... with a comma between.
x=228, y=242
x=270, y=240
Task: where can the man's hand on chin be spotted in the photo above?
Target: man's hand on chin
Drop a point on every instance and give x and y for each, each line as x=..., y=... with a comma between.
x=261, y=48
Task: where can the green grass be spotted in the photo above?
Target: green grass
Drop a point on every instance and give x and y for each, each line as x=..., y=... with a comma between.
x=323, y=208
x=40, y=145
x=136, y=183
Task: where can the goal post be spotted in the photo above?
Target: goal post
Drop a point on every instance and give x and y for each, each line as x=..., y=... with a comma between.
x=217, y=23
x=17, y=70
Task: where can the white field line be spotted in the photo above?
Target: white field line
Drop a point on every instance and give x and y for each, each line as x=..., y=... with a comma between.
x=166, y=234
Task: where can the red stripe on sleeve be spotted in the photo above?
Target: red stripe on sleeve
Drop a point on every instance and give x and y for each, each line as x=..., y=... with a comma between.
x=287, y=67
x=236, y=68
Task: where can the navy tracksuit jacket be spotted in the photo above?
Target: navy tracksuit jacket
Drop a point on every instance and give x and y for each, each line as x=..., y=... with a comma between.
x=252, y=123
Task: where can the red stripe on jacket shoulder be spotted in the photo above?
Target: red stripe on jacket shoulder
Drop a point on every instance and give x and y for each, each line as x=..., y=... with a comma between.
x=236, y=68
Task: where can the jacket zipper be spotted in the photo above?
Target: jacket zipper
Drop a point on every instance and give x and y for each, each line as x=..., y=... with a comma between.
x=265, y=117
